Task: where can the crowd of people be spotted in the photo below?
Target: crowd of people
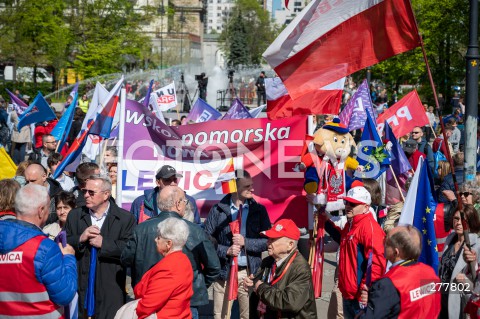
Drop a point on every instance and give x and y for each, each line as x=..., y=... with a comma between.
x=67, y=236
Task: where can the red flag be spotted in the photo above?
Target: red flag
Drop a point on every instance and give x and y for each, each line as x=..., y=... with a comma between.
x=440, y=232
x=317, y=273
x=326, y=100
x=331, y=39
x=404, y=115
x=233, y=276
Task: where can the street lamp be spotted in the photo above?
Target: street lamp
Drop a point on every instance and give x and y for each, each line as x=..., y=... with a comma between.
x=182, y=21
x=161, y=12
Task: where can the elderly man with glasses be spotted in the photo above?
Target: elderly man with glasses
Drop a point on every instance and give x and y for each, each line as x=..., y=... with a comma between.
x=145, y=206
x=100, y=228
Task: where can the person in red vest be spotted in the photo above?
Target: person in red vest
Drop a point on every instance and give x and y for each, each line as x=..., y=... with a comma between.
x=37, y=276
x=410, y=289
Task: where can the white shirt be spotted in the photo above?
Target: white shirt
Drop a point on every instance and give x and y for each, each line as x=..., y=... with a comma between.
x=99, y=221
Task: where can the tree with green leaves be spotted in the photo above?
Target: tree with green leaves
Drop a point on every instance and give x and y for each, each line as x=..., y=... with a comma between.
x=34, y=34
x=248, y=33
x=107, y=36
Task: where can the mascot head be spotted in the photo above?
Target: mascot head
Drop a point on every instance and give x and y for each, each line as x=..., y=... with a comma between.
x=333, y=140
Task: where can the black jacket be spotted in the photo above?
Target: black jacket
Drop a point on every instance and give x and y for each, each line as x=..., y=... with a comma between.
x=54, y=188
x=110, y=275
x=141, y=254
x=217, y=226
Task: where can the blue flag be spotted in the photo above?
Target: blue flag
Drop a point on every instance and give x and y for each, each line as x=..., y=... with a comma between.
x=237, y=111
x=398, y=159
x=90, y=293
x=61, y=130
x=202, y=112
x=38, y=111
x=424, y=211
x=372, y=155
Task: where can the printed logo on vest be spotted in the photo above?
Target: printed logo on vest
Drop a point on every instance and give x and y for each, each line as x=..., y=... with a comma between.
x=421, y=292
x=15, y=257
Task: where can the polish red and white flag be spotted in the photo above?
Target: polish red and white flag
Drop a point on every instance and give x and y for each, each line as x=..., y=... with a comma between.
x=331, y=39
x=325, y=100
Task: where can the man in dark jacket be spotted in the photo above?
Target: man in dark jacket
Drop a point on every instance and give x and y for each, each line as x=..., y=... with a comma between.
x=283, y=286
x=82, y=173
x=423, y=146
x=145, y=206
x=141, y=251
x=102, y=227
x=248, y=245
x=41, y=155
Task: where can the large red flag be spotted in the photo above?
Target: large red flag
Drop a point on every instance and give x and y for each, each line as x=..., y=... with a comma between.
x=326, y=100
x=404, y=115
x=331, y=39
x=233, y=276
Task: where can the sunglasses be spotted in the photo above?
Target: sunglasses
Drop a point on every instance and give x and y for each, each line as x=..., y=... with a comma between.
x=90, y=192
x=416, y=132
x=466, y=194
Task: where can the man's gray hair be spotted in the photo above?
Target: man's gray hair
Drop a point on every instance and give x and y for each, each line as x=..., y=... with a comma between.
x=106, y=181
x=29, y=198
x=166, y=204
x=174, y=229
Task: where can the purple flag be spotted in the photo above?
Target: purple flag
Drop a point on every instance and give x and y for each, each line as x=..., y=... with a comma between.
x=353, y=114
x=237, y=111
x=398, y=159
x=18, y=105
x=202, y=112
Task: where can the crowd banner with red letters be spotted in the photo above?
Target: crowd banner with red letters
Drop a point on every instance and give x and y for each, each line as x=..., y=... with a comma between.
x=268, y=150
x=404, y=115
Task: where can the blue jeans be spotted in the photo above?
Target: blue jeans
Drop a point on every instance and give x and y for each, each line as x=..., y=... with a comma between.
x=194, y=311
x=350, y=308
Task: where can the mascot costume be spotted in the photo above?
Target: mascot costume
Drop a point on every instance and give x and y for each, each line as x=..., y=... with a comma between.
x=325, y=164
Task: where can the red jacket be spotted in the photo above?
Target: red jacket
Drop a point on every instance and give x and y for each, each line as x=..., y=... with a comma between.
x=166, y=288
x=419, y=297
x=29, y=297
x=359, y=237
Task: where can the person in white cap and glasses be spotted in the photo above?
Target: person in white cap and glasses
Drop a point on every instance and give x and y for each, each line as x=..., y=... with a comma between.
x=360, y=238
x=283, y=285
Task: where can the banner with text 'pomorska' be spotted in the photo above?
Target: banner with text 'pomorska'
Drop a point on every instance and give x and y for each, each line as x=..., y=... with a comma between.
x=268, y=150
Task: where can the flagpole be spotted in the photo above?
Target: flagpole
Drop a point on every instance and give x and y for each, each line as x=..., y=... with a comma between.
x=121, y=132
x=449, y=156
x=396, y=182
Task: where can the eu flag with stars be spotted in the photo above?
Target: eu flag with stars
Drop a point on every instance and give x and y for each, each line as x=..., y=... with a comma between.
x=423, y=215
x=372, y=155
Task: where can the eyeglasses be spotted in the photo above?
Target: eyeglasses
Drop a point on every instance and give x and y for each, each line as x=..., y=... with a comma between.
x=416, y=132
x=51, y=142
x=90, y=191
x=185, y=201
x=466, y=194
x=169, y=180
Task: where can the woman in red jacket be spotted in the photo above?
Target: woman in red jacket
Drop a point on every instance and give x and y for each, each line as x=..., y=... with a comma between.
x=166, y=289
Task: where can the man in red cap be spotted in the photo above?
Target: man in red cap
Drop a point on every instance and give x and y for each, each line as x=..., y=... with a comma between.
x=360, y=238
x=283, y=285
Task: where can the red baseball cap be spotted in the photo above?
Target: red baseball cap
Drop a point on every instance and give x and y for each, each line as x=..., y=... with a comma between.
x=283, y=228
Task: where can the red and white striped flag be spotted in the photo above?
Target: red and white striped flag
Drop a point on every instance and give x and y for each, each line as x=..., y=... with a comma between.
x=321, y=101
x=332, y=39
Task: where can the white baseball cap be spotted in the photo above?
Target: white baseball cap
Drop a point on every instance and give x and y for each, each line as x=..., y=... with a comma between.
x=358, y=195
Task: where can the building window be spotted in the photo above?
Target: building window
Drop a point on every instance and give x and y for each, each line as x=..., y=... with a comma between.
x=297, y=4
x=219, y=14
